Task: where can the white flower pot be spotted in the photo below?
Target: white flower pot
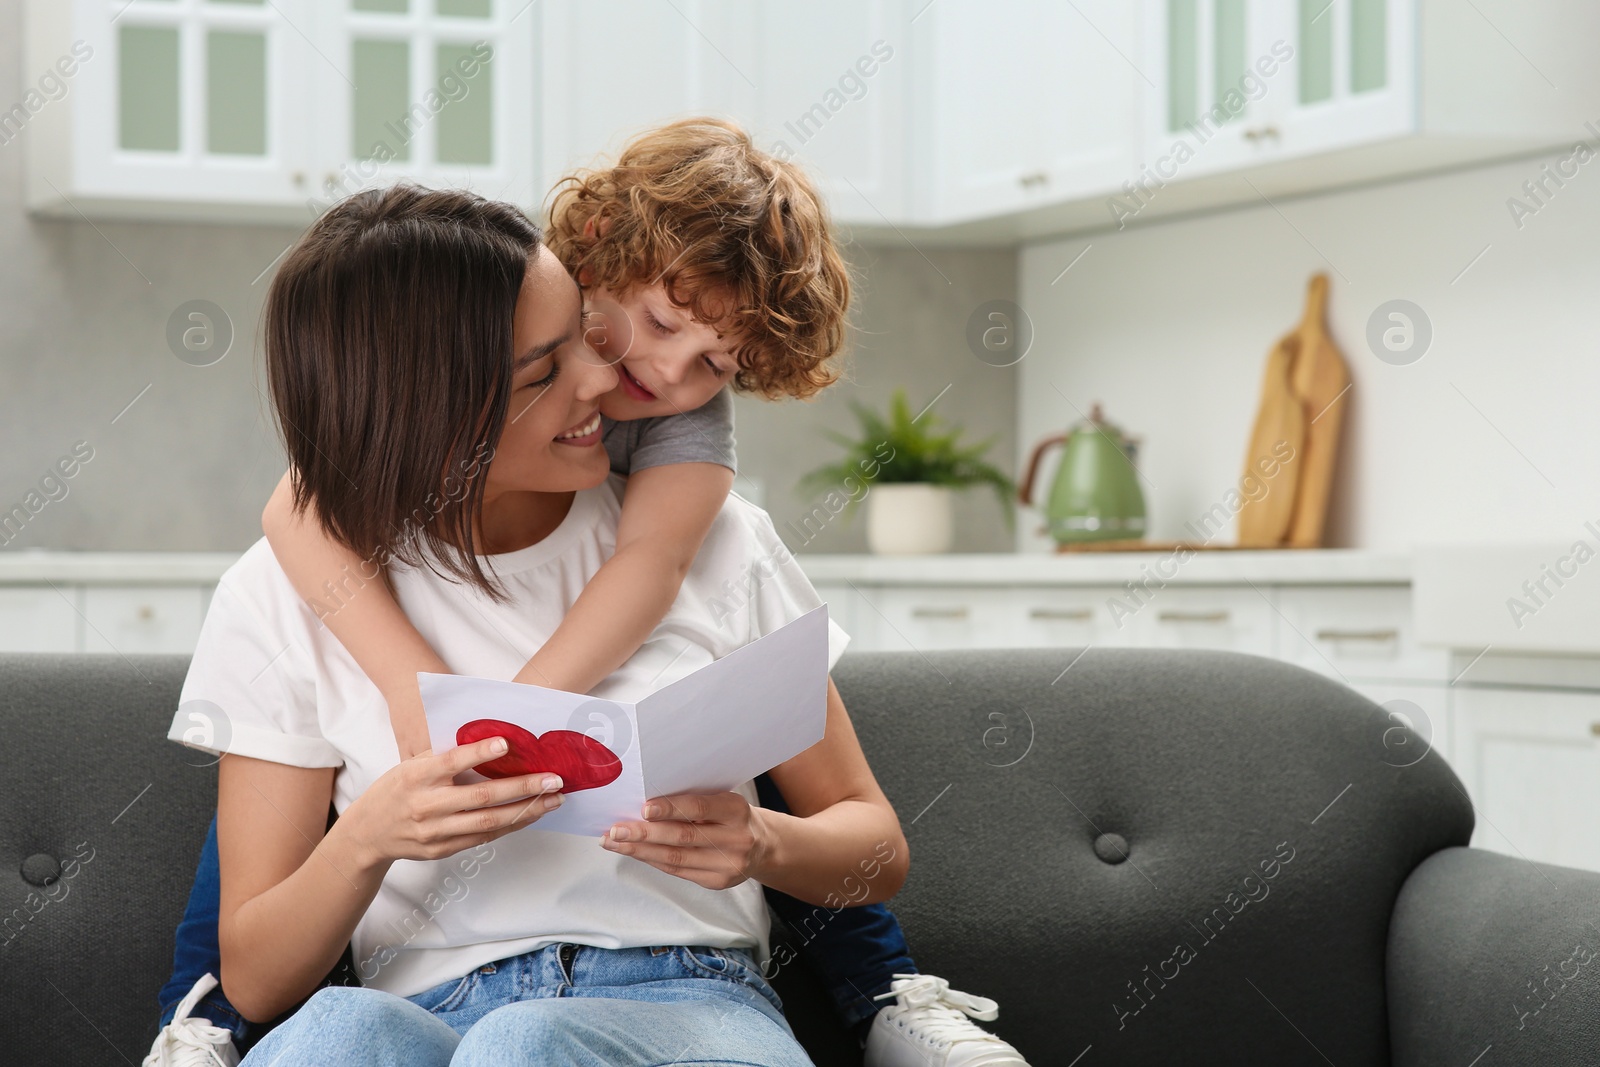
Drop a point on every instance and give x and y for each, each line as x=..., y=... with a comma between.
x=908, y=519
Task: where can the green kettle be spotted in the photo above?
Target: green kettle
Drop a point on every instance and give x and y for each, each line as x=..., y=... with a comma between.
x=1096, y=494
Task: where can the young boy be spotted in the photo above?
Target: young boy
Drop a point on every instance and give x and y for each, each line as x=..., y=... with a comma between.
x=706, y=264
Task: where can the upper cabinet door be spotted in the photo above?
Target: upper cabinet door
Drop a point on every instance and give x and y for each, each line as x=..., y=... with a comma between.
x=435, y=91
x=1025, y=103
x=1220, y=68
x=831, y=84
x=1246, y=82
x=613, y=68
x=1353, y=76
x=198, y=102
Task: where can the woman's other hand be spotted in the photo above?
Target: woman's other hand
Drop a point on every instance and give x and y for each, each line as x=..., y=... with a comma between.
x=716, y=840
x=415, y=811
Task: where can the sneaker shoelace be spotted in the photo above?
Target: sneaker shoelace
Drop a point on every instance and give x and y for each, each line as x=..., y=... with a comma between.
x=939, y=1013
x=192, y=1042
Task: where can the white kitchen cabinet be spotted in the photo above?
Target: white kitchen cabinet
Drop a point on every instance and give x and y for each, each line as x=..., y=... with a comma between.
x=1231, y=619
x=936, y=617
x=142, y=619
x=174, y=107
x=842, y=603
x=1530, y=760
x=252, y=111
x=39, y=618
x=1020, y=103
x=821, y=83
x=832, y=86
x=435, y=91
x=1355, y=633
x=1249, y=82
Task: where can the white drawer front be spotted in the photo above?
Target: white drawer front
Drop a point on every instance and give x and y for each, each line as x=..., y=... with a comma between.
x=38, y=619
x=1531, y=763
x=1364, y=632
x=936, y=617
x=1063, y=617
x=1231, y=619
x=131, y=619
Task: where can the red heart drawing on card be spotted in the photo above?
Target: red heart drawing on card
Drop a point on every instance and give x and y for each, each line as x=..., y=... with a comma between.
x=580, y=760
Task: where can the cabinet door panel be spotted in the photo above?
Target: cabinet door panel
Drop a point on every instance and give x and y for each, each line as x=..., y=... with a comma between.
x=831, y=84
x=437, y=93
x=1355, y=633
x=1531, y=763
x=190, y=102
x=692, y=57
x=1026, y=103
x=38, y=619
x=132, y=619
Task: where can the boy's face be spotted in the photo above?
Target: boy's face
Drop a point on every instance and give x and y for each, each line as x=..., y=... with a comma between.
x=667, y=362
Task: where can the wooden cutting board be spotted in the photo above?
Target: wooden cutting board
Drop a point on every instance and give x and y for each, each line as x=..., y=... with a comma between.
x=1302, y=407
x=1280, y=422
x=1320, y=380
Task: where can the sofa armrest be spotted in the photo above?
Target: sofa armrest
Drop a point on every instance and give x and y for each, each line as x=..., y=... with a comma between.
x=1487, y=950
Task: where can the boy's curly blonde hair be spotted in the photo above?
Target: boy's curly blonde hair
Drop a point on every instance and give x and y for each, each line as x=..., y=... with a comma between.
x=696, y=206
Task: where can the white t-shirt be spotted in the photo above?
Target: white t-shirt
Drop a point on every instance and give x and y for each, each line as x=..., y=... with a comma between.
x=288, y=692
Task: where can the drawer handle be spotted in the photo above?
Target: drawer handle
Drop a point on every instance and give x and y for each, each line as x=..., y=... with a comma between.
x=1594, y=728
x=1064, y=614
x=1261, y=134
x=1358, y=635
x=1034, y=179
x=938, y=613
x=1194, y=616
x=146, y=612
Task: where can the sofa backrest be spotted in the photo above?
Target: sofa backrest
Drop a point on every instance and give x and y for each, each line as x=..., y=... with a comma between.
x=92, y=784
x=1267, y=815
x=1220, y=778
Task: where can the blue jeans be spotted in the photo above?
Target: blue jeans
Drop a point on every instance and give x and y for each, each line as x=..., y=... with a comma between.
x=854, y=951
x=561, y=1004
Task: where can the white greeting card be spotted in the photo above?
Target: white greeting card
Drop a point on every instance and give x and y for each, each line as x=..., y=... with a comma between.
x=708, y=732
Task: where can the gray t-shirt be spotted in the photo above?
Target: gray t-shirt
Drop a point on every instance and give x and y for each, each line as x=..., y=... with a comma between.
x=704, y=435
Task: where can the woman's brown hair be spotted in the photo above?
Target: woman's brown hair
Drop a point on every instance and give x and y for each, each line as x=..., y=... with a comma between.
x=388, y=337
x=696, y=206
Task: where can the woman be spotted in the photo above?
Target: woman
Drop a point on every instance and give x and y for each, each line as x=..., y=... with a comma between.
x=437, y=399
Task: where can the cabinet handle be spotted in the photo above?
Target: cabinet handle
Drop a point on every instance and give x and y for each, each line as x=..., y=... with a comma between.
x=1068, y=614
x=1358, y=635
x=938, y=613
x=1594, y=728
x=1034, y=179
x=1261, y=134
x=146, y=613
x=1194, y=616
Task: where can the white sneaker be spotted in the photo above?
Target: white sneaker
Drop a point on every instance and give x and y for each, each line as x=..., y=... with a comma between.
x=930, y=1025
x=186, y=1042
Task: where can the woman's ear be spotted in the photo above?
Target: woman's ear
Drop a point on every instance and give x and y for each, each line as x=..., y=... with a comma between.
x=593, y=229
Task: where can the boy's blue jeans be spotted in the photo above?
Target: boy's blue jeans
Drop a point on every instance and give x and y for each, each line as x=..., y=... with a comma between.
x=855, y=951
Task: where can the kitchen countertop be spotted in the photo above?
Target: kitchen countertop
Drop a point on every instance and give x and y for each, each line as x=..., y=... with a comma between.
x=1287, y=567
x=95, y=568
x=1284, y=567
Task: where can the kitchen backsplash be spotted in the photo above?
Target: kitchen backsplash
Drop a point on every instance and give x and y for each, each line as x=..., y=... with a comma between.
x=1483, y=431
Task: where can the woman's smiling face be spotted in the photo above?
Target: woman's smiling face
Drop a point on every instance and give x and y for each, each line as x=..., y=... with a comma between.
x=551, y=439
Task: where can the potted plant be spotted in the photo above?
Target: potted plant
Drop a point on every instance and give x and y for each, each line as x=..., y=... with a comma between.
x=907, y=469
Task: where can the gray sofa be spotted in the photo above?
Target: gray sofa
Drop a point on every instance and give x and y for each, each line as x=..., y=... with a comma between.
x=1155, y=858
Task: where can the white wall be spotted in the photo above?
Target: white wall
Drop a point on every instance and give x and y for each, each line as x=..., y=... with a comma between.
x=1168, y=324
